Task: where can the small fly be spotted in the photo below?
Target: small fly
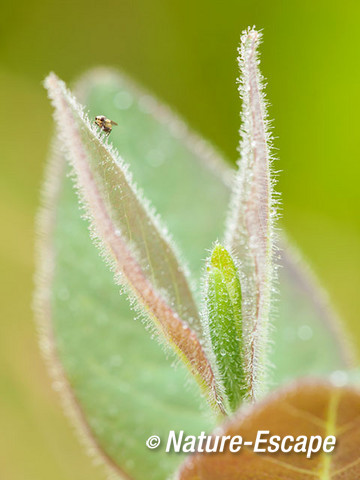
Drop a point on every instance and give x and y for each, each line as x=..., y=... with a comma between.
x=104, y=123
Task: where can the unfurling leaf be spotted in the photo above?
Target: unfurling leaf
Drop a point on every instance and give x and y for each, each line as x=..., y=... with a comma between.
x=117, y=384
x=250, y=232
x=305, y=409
x=223, y=322
x=130, y=236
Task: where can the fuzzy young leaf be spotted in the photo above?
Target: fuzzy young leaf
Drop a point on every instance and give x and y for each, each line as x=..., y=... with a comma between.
x=130, y=237
x=309, y=408
x=250, y=232
x=223, y=321
x=116, y=383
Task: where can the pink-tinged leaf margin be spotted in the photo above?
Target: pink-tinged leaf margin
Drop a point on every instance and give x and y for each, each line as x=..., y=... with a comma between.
x=80, y=140
x=250, y=228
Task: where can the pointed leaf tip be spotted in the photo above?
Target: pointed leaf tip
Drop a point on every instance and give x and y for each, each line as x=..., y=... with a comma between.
x=250, y=226
x=130, y=237
x=223, y=322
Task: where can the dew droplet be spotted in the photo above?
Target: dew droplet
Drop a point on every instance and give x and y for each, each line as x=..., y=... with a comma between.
x=155, y=158
x=305, y=332
x=123, y=100
x=339, y=378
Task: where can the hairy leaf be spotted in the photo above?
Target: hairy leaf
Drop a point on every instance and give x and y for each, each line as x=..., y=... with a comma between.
x=223, y=322
x=196, y=175
x=131, y=238
x=117, y=384
x=307, y=408
x=250, y=233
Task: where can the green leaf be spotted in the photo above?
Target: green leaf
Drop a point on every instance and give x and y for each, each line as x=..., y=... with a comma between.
x=250, y=232
x=130, y=237
x=309, y=408
x=223, y=322
x=116, y=382
x=308, y=337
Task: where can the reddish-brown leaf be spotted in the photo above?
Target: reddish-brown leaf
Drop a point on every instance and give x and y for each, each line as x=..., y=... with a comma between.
x=307, y=408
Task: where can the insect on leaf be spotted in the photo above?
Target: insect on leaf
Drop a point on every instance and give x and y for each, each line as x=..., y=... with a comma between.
x=130, y=236
x=116, y=382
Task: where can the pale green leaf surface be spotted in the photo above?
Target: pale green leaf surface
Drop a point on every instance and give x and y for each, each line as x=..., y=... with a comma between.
x=196, y=215
x=122, y=379
x=130, y=238
x=309, y=340
x=126, y=388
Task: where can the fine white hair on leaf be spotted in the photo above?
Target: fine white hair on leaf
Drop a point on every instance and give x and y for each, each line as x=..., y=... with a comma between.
x=43, y=311
x=131, y=239
x=250, y=233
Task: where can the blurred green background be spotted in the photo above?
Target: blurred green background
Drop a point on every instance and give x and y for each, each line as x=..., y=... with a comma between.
x=185, y=52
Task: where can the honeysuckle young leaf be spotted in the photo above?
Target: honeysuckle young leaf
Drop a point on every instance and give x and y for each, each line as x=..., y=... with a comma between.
x=116, y=382
x=250, y=231
x=131, y=238
x=117, y=385
x=223, y=323
x=309, y=408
